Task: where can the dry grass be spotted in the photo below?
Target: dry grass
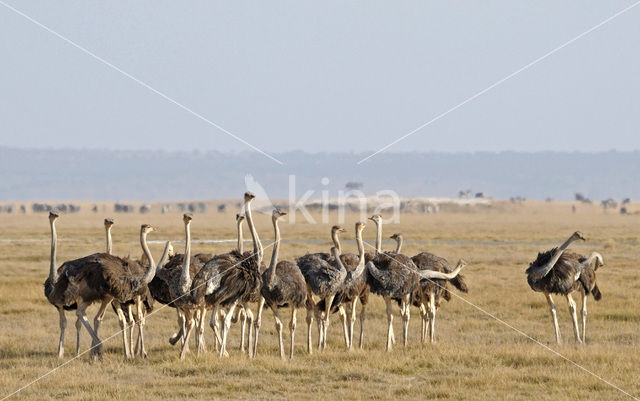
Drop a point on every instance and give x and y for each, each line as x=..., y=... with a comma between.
x=475, y=356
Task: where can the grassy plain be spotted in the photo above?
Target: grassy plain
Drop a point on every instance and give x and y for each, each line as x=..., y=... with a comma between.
x=475, y=356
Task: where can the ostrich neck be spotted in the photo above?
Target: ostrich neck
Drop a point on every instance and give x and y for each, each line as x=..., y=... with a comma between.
x=271, y=276
x=559, y=251
x=336, y=240
x=53, y=272
x=354, y=274
x=185, y=277
x=109, y=242
x=378, y=236
x=257, y=246
x=240, y=244
x=360, y=247
x=151, y=269
x=164, y=257
x=399, y=244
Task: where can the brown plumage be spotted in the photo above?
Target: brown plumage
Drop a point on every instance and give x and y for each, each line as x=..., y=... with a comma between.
x=429, y=261
x=559, y=271
x=392, y=275
x=228, y=278
x=427, y=297
x=159, y=286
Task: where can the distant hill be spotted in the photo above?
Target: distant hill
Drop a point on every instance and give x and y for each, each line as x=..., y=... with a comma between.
x=41, y=175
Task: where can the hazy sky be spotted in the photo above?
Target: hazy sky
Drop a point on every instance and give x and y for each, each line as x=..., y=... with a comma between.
x=321, y=76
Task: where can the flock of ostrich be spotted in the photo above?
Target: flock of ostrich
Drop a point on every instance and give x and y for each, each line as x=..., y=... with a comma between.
x=235, y=284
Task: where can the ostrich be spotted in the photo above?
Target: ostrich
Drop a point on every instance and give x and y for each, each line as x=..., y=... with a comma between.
x=136, y=317
x=559, y=271
x=427, y=297
x=170, y=273
x=231, y=279
x=354, y=290
x=325, y=279
x=311, y=263
x=116, y=281
x=98, y=277
x=57, y=291
x=283, y=286
x=395, y=276
x=217, y=314
x=179, y=282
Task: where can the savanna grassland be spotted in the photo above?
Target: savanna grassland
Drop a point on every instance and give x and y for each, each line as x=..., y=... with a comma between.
x=475, y=356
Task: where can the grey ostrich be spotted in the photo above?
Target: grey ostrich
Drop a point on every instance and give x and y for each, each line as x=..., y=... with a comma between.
x=356, y=289
x=145, y=300
x=395, y=276
x=427, y=296
x=559, y=271
x=98, y=278
x=180, y=290
x=57, y=290
x=325, y=278
x=283, y=286
x=232, y=278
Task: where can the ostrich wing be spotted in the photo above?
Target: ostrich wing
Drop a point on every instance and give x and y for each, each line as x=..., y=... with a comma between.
x=540, y=267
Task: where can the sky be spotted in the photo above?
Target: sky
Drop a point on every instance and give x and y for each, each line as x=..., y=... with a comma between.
x=321, y=76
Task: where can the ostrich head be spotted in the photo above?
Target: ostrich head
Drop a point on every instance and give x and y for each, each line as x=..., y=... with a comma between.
x=248, y=196
x=146, y=229
x=53, y=216
x=337, y=229
x=396, y=236
x=239, y=218
x=376, y=218
x=578, y=235
x=360, y=226
x=187, y=217
x=170, y=251
x=277, y=213
x=108, y=222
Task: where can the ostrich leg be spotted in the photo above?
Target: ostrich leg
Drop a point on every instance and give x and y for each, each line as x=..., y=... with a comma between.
x=309, y=320
x=554, y=315
x=352, y=321
x=78, y=330
x=130, y=327
x=292, y=330
x=96, y=344
x=362, y=318
x=345, y=328
x=253, y=348
x=202, y=317
x=225, y=328
x=140, y=323
x=215, y=326
x=406, y=314
x=122, y=320
x=276, y=316
x=574, y=317
x=97, y=321
x=387, y=301
x=180, y=334
x=325, y=324
x=189, y=323
x=583, y=312
x=63, y=326
x=250, y=327
x=423, y=316
x=432, y=317
x=242, y=315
